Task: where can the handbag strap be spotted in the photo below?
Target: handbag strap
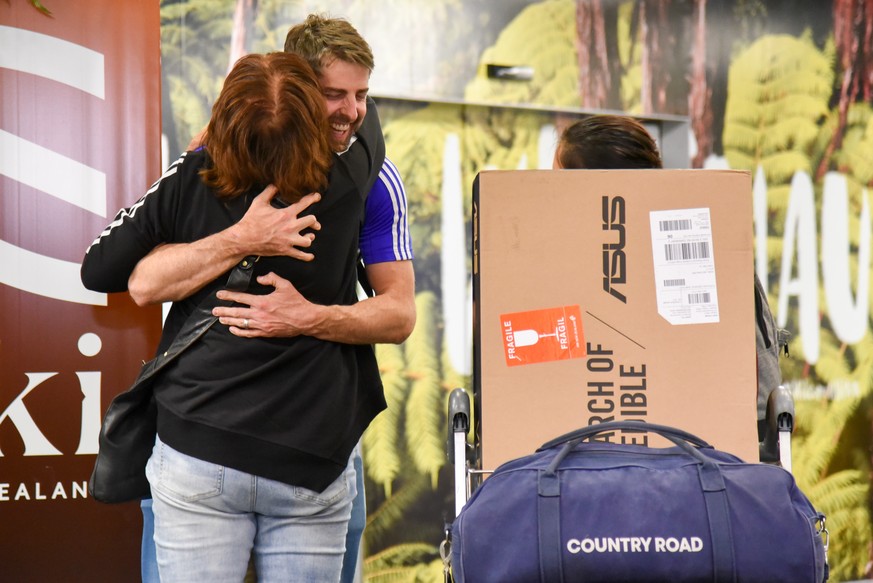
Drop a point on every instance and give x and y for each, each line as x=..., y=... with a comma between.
x=201, y=319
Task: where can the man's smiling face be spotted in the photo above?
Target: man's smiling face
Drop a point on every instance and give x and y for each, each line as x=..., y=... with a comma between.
x=345, y=86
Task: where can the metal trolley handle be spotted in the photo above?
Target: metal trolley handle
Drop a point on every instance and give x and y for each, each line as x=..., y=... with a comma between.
x=456, y=449
x=459, y=426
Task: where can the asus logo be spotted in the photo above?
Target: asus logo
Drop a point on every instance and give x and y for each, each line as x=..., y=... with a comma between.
x=614, y=259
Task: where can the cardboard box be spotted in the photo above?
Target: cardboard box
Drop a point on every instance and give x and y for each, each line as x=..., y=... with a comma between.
x=613, y=295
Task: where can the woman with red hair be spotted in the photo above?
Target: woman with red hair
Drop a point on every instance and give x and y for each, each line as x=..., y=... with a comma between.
x=254, y=437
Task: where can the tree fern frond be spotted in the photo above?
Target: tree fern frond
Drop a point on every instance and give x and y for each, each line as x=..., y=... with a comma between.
x=380, y=440
x=425, y=426
x=788, y=132
x=818, y=430
x=389, y=574
x=382, y=459
x=421, y=573
x=863, y=373
x=778, y=91
x=742, y=137
x=850, y=536
x=856, y=152
x=839, y=490
x=430, y=573
x=382, y=520
x=781, y=166
x=778, y=197
x=739, y=159
x=401, y=555
x=831, y=365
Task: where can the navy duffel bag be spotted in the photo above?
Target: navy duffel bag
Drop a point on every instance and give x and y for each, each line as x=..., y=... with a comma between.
x=603, y=512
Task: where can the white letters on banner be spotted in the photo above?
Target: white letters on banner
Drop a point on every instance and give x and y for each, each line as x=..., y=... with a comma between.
x=35, y=441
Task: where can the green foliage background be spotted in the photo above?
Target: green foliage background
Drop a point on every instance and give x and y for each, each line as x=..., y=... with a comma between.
x=780, y=116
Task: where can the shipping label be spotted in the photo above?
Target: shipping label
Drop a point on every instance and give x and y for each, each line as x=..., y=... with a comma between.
x=684, y=265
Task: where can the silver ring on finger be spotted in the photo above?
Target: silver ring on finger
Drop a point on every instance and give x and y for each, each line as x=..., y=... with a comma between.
x=245, y=324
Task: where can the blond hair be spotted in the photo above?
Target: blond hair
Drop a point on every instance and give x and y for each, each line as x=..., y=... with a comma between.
x=321, y=40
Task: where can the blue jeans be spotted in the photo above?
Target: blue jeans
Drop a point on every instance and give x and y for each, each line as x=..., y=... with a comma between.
x=149, y=561
x=210, y=519
x=357, y=522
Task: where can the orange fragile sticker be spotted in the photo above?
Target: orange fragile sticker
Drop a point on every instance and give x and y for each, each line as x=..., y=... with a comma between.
x=543, y=335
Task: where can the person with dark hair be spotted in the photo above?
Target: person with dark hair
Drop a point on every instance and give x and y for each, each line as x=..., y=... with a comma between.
x=255, y=435
x=603, y=142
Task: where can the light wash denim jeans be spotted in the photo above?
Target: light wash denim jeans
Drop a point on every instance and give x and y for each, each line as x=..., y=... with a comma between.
x=209, y=519
x=149, y=561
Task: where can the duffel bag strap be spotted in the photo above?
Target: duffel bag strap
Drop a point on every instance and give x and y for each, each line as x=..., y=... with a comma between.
x=592, y=430
x=711, y=483
x=549, y=527
x=718, y=512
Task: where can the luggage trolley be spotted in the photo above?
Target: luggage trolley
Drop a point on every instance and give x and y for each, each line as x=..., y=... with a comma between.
x=528, y=292
x=578, y=511
x=774, y=448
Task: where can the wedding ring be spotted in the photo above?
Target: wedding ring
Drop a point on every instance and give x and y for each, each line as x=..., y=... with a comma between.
x=245, y=323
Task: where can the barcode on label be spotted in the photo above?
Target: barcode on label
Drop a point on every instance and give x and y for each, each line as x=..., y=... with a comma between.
x=674, y=282
x=675, y=225
x=701, y=298
x=687, y=251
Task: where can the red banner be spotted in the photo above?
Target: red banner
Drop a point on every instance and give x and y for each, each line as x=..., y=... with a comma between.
x=79, y=138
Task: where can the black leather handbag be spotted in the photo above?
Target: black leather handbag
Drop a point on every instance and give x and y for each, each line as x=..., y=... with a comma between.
x=127, y=435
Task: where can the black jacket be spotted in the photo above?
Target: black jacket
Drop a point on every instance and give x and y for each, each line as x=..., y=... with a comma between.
x=289, y=409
